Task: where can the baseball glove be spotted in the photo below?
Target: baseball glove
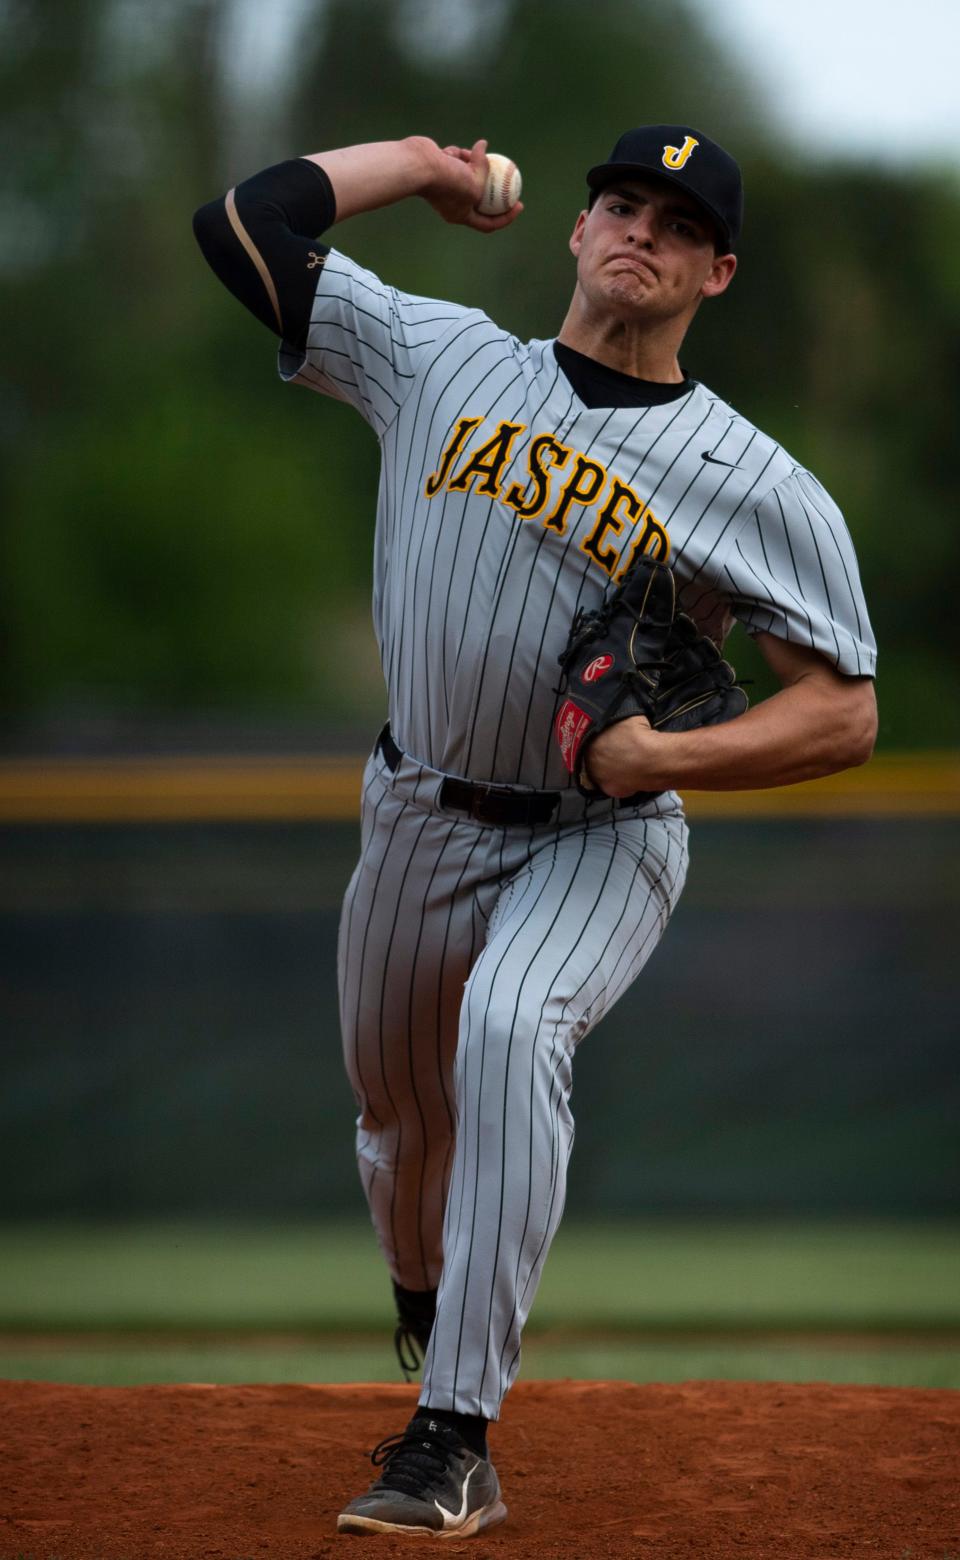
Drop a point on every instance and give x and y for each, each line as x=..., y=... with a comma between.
x=637, y=655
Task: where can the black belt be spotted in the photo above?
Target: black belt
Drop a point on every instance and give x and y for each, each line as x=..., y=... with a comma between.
x=499, y=805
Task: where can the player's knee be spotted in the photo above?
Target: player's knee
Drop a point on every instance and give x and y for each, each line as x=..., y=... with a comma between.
x=504, y=1026
x=410, y=1148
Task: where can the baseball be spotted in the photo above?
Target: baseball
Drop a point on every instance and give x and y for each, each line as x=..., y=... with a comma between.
x=503, y=186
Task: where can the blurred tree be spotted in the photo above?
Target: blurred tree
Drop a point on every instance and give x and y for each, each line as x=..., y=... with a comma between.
x=180, y=528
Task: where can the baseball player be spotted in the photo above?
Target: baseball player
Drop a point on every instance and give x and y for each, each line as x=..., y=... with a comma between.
x=497, y=911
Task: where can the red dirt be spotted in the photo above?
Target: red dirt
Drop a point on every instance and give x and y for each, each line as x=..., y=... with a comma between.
x=702, y=1471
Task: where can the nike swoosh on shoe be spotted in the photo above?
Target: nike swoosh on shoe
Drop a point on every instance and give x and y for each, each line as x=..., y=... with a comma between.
x=453, y=1519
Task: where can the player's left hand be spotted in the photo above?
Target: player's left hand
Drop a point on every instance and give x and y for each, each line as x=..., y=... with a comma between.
x=636, y=675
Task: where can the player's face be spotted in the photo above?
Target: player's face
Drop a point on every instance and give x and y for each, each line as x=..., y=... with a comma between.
x=645, y=250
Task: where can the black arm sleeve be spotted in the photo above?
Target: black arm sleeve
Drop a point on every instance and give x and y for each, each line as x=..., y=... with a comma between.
x=260, y=240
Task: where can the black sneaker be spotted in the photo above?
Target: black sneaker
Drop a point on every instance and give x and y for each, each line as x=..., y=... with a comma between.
x=416, y=1310
x=431, y=1483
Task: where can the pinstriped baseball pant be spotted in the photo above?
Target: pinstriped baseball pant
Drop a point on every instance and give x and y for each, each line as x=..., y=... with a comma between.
x=472, y=961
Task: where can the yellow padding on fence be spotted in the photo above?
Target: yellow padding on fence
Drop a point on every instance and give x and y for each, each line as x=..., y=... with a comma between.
x=283, y=788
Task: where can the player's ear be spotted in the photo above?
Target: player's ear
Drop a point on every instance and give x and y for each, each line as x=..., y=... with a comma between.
x=576, y=237
x=720, y=276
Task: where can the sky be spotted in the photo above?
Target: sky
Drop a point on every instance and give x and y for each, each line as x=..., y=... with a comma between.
x=875, y=77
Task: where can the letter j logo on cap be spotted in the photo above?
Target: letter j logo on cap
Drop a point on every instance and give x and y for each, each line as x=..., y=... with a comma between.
x=676, y=156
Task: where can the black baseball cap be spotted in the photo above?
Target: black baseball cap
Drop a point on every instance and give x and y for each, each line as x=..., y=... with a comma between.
x=686, y=158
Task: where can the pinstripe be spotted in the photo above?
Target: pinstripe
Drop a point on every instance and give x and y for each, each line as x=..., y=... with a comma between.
x=398, y=1115
x=508, y=555
x=318, y=322
x=459, y=366
x=682, y=407
x=404, y=507
x=554, y=582
x=831, y=533
x=445, y=626
x=796, y=571
x=471, y=576
x=554, y=1183
x=513, y=536
x=490, y=504
x=343, y=331
x=609, y=1000
x=430, y=668
x=453, y=1228
x=386, y=988
x=554, y=1178
x=481, y=508
x=480, y=1088
x=479, y=1093
x=348, y=944
x=402, y=302
x=711, y=501
x=761, y=586
x=530, y=575
x=639, y=955
x=840, y=559
x=441, y=965
x=321, y=380
x=370, y=380
x=695, y=476
x=365, y=1091
x=503, y=1160
x=343, y=954
x=712, y=567
x=727, y=524
x=823, y=572
x=461, y=1216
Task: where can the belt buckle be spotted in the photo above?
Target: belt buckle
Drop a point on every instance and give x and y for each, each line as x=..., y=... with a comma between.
x=487, y=803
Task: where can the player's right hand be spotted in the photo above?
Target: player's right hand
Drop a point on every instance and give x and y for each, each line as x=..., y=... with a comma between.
x=456, y=179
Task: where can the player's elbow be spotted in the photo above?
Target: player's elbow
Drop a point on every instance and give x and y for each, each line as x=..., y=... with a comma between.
x=204, y=221
x=857, y=736
x=212, y=231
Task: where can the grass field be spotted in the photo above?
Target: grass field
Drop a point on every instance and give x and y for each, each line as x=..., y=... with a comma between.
x=116, y=1305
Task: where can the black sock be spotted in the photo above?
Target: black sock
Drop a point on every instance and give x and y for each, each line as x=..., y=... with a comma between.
x=417, y=1306
x=472, y=1428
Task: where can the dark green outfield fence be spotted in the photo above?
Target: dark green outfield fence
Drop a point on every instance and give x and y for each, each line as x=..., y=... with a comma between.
x=170, y=1046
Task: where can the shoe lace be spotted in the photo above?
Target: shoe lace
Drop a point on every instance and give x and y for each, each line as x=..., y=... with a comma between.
x=413, y=1462
x=415, y=1315
x=407, y=1345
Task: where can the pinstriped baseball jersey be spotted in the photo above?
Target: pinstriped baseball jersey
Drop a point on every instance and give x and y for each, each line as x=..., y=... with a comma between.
x=505, y=504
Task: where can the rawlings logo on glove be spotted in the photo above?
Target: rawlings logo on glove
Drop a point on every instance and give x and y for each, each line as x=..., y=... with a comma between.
x=571, y=728
x=663, y=668
x=600, y=665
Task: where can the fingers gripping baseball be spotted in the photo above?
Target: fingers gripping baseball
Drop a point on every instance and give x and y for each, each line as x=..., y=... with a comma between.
x=475, y=188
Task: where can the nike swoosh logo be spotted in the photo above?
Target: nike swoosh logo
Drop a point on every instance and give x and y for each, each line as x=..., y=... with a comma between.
x=716, y=461
x=452, y=1519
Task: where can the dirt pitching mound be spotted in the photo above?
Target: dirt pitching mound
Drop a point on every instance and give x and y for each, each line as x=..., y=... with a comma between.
x=700, y=1471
